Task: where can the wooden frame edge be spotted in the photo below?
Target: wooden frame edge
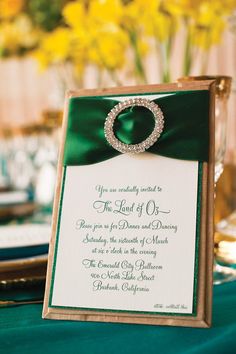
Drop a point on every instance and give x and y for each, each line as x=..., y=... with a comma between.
x=170, y=321
x=209, y=254
x=177, y=86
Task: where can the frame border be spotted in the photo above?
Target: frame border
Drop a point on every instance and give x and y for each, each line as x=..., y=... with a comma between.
x=204, y=290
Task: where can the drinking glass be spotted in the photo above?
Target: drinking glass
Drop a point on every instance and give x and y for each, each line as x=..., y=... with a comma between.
x=226, y=234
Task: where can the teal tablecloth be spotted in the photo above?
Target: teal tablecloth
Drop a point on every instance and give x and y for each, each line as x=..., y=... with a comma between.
x=24, y=332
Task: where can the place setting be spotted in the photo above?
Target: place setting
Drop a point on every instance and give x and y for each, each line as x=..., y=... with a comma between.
x=24, y=216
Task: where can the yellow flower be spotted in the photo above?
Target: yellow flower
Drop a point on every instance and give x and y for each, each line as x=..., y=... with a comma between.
x=75, y=13
x=10, y=8
x=102, y=12
x=109, y=48
x=9, y=38
x=161, y=25
x=206, y=37
x=57, y=45
x=29, y=35
x=17, y=36
x=62, y=45
x=150, y=19
x=222, y=8
x=208, y=24
x=190, y=8
x=181, y=7
x=133, y=13
x=79, y=13
x=96, y=32
x=80, y=44
x=42, y=59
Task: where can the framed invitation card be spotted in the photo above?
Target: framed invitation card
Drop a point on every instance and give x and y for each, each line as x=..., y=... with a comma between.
x=132, y=233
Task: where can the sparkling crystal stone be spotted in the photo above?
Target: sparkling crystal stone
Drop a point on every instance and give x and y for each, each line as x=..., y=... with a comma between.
x=149, y=141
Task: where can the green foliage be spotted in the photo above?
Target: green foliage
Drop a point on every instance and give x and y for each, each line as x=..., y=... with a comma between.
x=46, y=13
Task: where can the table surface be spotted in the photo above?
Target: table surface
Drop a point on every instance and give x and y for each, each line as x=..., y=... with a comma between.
x=23, y=331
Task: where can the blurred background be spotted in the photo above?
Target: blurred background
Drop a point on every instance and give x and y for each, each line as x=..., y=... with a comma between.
x=48, y=47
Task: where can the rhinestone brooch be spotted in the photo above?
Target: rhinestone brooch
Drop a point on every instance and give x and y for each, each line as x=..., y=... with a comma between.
x=145, y=144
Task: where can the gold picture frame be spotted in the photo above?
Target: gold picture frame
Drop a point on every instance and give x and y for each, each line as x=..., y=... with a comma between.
x=204, y=291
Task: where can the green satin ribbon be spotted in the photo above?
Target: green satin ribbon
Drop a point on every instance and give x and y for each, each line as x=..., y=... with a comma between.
x=185, y=135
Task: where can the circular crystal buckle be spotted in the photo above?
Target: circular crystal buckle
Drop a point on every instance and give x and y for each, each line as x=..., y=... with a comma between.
x=145, y=144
